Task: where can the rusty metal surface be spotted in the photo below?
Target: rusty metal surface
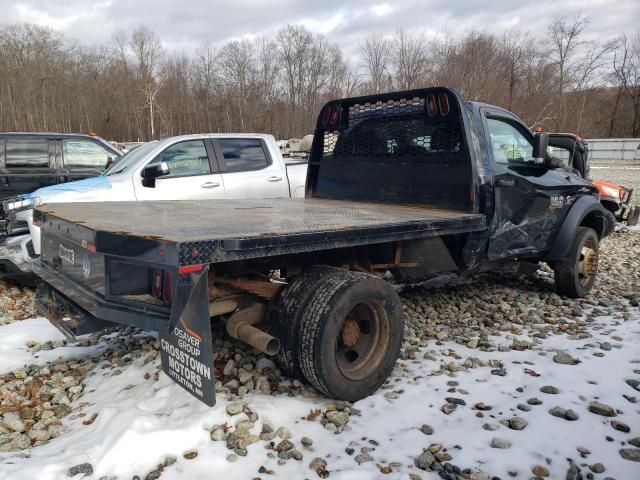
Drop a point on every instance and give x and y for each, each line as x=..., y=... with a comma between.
x=185, y=221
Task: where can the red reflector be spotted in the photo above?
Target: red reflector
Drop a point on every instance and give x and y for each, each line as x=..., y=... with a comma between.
x=326, y=115
x=156, y=285
x=335, y=115
x=431, y=105
x=189, y=269
x=443, y=100
x=166, y=292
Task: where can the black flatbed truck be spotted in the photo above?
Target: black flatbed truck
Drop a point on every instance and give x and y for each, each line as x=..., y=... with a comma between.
x=411, y=184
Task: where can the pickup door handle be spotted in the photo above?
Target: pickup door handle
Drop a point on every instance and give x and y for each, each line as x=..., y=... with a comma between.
x=274, y=179
x=505, y=182
x=210, y=185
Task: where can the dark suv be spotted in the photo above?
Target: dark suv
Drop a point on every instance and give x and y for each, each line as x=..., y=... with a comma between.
x=29, y=161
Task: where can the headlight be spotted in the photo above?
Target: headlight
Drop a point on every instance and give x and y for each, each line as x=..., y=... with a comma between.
x=610, y=192
x=23, y=204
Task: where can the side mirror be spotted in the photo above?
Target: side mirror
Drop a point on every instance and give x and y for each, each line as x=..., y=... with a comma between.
x=540, y=145
x=111, y=159
x=151, y=172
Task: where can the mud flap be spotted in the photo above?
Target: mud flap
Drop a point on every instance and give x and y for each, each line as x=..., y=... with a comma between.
x=186, y=351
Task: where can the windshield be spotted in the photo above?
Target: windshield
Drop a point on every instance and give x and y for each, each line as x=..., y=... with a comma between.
x=130, y=159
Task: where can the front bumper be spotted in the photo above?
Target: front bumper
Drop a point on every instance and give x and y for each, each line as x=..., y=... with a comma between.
x=15, y=261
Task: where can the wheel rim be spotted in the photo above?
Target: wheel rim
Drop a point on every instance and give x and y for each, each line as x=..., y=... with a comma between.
x=363, y=340
x=587, y=263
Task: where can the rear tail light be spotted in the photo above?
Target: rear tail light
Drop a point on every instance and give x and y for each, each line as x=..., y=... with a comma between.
x=443, y=101
x=432, y=109
x=166, y=290
x=157, y=280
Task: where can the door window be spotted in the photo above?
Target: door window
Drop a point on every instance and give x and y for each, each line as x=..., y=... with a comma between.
x=562, y=153
x=27, y=152
x=508, y=144
x=185, y=159
x=243, y=154
x=82, y=153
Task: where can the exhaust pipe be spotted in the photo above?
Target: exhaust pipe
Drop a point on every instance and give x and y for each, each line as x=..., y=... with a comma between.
x=241, y=326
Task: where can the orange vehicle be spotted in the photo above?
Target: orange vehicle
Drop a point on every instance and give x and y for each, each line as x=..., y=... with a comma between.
x=574, y=153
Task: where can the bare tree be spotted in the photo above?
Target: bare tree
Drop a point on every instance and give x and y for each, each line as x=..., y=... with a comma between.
x=409, y=58
x=375, y=56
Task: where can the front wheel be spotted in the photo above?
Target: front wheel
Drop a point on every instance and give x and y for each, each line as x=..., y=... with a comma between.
x=575, y=275
x=350, y=335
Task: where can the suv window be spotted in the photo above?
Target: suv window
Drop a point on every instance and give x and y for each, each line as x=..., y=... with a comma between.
x=27, y=152
x=509, y=145
x=562, y=153
x=185, y=159
x=83, y=153
x=243, y=154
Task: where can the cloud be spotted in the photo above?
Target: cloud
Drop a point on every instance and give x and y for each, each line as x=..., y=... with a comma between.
x=183, y=25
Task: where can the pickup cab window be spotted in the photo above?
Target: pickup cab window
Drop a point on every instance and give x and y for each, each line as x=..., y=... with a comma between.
x=185, y=159
x=27, y=152
x=243, y=154
x=80, y=153
x=508, y=144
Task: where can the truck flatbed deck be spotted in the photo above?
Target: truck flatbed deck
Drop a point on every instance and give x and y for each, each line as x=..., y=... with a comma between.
x=232, y=229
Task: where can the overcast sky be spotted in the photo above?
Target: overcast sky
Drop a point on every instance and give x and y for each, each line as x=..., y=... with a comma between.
x=184, y=24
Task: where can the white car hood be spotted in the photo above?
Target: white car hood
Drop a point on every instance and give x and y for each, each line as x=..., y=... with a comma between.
x=95, y=189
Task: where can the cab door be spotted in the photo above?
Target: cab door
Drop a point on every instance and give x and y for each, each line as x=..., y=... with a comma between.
x=79, y=158
x=531, y=200
x=28, y=164
x=193, y=174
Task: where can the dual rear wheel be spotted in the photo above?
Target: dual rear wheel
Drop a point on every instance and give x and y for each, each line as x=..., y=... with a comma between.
x=340, y=331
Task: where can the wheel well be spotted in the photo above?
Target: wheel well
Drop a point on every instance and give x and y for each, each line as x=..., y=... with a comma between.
x=595, y=221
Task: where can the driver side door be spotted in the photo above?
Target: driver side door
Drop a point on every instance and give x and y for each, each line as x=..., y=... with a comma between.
x=530, y=199
x=193, y=174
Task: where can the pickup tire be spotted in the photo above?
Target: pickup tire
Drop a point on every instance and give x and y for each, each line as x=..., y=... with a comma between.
x=285, y=319
x=575, y=275
x=351, y=332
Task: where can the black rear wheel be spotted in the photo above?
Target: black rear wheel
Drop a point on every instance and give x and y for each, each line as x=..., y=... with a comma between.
x=351, y=334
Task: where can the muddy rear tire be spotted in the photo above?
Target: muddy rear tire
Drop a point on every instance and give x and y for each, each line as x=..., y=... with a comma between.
x=575, y=275
x=351, y=333
x=285, y=320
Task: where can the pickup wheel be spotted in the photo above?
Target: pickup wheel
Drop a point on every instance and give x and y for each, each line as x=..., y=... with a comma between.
x=285, y=321
x=574, y=277
x=351, y=334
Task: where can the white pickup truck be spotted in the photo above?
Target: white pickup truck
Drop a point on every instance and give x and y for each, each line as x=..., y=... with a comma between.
x=186, y=167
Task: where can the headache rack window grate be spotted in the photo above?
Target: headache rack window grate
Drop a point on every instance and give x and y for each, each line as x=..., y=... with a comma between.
x=395, y=129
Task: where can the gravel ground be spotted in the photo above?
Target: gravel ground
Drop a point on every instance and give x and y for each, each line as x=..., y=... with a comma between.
x=497, y=317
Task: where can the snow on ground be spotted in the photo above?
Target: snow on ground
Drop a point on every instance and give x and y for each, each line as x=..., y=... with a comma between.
x=140, y=422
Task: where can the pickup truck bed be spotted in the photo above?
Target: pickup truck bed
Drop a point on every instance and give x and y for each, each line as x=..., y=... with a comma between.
x=232, y=230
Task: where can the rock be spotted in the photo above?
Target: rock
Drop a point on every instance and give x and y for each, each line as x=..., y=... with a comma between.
x=540, y=471
x=235, y=408
x=620, y=426
x=425, y=460
x=319, y=465
x=517, y=423
x=631, y=454
x=232, y=457
x=633, y=383
x=296, y=455
x=534, y=401
x=218, y=435
x=228, y=368
x=337, y=418
x=571, y=415
x=306, y=442
x=265, y=365
x=558, y=412
x=574, y=472
x=634, y=441
x=283, y=433
x=597, y=468
x=550, y=389
x=564, y=358
x=39, y=435
x=12, y=421
x=602, y=409
x=426, y=429
x=448, y=408
x=284, y=445
x=190, y=454
x=457, y=401
x=362, y=458
x=500, y=443
x=82, y=468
